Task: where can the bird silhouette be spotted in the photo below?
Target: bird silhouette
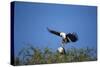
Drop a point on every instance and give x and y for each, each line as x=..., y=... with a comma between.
x=66, y=37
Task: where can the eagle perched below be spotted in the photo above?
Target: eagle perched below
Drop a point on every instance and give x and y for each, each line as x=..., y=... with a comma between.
x=66, y=37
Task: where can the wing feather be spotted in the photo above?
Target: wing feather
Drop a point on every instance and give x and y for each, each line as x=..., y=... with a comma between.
x=53, y=32
x=72, y=36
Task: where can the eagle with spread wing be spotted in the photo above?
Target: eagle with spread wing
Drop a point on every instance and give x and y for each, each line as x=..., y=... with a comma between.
x=66, y=37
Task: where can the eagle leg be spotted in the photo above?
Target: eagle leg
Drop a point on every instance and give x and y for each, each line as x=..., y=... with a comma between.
x=63, y=42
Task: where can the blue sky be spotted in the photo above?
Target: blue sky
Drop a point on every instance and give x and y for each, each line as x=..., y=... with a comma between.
x=32, y=19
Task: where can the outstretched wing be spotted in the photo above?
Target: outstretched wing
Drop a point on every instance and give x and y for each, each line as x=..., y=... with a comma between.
x=53, y=32
x=72, y=37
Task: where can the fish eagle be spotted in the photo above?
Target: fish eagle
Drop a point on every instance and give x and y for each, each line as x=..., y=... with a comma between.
x=66, y=37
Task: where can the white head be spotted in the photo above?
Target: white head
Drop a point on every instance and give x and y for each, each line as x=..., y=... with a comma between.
x=62, y=34
x=60, y=49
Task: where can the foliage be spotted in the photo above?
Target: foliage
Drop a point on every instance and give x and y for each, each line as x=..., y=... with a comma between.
x=32, y=55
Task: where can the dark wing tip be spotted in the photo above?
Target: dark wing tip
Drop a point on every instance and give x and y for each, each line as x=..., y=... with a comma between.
x=53, y=32
x=48, y=29
x=75, y=34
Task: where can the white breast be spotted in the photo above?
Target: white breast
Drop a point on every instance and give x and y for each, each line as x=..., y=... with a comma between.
x=60, y=49
x=62, y=34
